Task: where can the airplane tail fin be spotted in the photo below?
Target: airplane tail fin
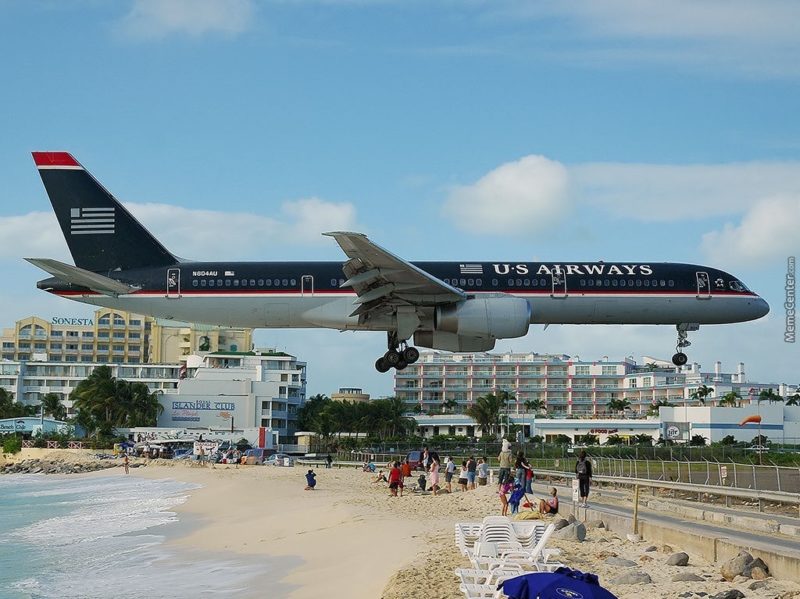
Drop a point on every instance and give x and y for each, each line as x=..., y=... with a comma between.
x=101, y=234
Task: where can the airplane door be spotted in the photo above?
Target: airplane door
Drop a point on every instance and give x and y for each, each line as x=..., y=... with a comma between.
x=703, y=285
x=173, y=283
x=558, y=284
x=307, y=285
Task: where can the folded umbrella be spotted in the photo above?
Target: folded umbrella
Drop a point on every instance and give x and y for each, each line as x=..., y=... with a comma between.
x=564, y=583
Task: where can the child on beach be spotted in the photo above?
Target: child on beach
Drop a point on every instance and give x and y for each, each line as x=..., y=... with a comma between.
x=505, y=488
x=395, y=480
x=311, y=480
x=381, y=478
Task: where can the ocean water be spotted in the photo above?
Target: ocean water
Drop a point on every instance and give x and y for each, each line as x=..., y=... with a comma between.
x=103, y=537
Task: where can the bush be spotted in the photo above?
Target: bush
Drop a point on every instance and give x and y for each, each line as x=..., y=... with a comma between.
x=12, y=444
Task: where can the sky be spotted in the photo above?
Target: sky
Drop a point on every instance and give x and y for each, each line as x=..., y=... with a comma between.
x=491, y=130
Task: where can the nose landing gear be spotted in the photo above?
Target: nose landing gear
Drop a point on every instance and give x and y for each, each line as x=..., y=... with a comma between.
x=398, y=356
x=680, y=358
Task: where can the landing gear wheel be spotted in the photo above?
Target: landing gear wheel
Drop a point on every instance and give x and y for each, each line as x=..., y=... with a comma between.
x=381, y=365
x=410, y=355
x=680, y=359
x=401, y=365
x=392, y=357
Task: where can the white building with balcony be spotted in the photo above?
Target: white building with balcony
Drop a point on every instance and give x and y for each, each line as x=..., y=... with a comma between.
x=230, y=390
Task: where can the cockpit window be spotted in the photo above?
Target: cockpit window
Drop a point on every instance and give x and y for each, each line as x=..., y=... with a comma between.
x=737, y=286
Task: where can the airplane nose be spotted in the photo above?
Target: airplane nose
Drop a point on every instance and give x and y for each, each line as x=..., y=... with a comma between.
x=759, y=308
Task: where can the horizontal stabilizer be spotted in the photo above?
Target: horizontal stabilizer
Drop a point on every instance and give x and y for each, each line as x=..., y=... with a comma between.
x=84, y=278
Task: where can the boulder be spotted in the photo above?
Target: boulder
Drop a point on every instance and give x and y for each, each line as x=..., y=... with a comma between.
x=651, y=548
x=633, y=577
x=619, y=561
x=734, y=567
x=571, y=518
x=730, y=594
x=757, y=584
x=678, y=559
x=756, y=564
x=596, y=523
x=561, y=523
x=759, y=574
x=572, y=532
x=687, y=577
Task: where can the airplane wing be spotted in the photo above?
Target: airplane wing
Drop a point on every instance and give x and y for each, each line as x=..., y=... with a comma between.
x=84, y=278
x=383, y=281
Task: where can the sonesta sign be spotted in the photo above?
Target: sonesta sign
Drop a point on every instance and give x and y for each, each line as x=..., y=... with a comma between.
x=72, y=321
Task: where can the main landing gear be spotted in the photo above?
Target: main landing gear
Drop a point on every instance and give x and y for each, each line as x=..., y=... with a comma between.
x=680, y=358
x=398, y=356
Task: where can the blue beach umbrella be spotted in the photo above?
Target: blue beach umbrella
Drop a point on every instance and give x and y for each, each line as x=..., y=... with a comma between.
x=564, y=583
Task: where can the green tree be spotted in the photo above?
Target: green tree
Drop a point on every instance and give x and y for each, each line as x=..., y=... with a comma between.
x=697, y=440
x=13, y=409
x=701, y=393
x=449, y=405
x=537, y=406
x=615, y=440
x=310, y=410
x=52, y=405
x=653, y=409
x=643, y=439
x=731, y=399
x=794, y=400
x=728, y=440
x=486, y=411
x=769, y=395
x=618, y=406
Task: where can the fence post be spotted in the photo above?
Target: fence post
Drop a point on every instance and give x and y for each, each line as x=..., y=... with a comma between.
x=636, y=510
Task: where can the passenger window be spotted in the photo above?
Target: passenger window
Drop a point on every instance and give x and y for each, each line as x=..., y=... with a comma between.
x=638, y=282
x=252, y=282
x=203, y=283
x=244, y=283
x=590, y=282
x=494, y=282
x=671, y=283
x=606, y=283
x=227, y=282
x=333, y=282
x=261, y=282
x=662, y=283
x=194, y=283
x=463, y=282
x=211, y=283
x=294, y=282
x=471, y=282
x=219, y=282
x=647, y=282
x=285, y=282
x=614, y=282
x=527, y=282
x=519, y=282
x=511, y=282
x=479, y=282
x=268, y=282
x=630, y=282
x=654, y=283
x=543, y=282
x=236, y=282
x=622, y=283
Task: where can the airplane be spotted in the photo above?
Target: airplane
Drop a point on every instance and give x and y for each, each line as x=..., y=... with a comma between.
x=452, y=306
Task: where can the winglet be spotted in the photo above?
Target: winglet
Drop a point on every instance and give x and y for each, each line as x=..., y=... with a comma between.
x=55, y=160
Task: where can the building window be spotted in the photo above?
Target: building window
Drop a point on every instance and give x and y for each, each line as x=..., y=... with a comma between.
x=84, y=346
x=136, y=322
x=582, y=370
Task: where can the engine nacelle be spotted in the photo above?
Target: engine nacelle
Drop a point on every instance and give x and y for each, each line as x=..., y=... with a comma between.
x=495, y=316
x=451, y=342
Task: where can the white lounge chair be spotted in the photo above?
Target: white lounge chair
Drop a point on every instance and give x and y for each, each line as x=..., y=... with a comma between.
x=488, y=577
x=537, y=559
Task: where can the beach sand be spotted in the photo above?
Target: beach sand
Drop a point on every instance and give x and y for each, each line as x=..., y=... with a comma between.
x=358, y=542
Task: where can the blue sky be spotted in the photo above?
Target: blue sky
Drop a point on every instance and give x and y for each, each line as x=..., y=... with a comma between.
x=508, y=130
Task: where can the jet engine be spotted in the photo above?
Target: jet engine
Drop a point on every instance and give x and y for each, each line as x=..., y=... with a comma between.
x=494, y=316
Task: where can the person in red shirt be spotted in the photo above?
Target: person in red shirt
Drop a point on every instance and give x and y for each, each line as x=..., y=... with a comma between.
x=396, y=479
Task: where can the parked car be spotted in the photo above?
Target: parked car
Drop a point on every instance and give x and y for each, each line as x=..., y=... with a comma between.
x=758, y=448
x=279, y=459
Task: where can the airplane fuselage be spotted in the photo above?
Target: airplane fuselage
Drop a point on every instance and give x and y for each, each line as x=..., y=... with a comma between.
x=311, y=295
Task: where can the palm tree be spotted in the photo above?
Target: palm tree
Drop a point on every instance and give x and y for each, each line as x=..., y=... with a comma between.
x=653, y=409
x=487, y=409
x=794, y=400
x=701, y=393
x=535, y=405
x=448, y=405
x=618, y=405
x=95, y=399
x=51, y=404
x=730, y=399
x=769, y=395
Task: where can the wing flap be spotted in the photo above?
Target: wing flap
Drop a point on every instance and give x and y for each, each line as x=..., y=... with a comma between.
x=82, y=277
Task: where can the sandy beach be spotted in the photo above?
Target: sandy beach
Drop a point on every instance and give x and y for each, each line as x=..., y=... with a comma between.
x=356, y=541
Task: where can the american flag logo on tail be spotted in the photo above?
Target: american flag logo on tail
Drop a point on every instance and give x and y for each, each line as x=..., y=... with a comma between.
x=471, y=269
x=91, y=221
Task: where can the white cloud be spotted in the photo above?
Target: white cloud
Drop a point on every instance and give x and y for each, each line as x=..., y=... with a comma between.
x=517, y=197
x=768, y=230
x=667, y=192
x=195, y=234
x=160, y=18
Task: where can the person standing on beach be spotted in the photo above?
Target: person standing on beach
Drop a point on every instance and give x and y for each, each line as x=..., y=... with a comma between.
x=483, y=472
x=395, y=479
x=472, y=466
x=425, y=459
x=522, y=467
x=505, y=489
x=462, y=478
x=583, y=470
x=406, y=468
x=328, y=461
x=504, y=459
x=449, y=470
x=125, y=464
x=434, y=472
